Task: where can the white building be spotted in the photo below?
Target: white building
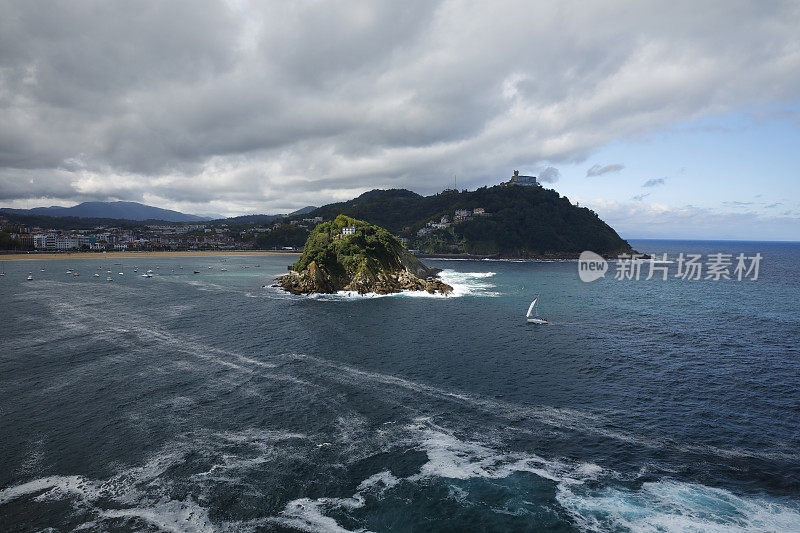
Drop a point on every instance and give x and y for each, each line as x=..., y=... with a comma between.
x=349, y=230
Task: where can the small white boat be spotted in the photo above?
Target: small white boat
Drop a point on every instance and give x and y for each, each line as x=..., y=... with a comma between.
x=96, y=275
x=109, y=278
x=223, y=269
x=30, y=276
x=149, y=271
x=534, y=318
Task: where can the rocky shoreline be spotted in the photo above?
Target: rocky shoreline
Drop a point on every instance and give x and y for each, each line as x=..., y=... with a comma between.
x=314, y=280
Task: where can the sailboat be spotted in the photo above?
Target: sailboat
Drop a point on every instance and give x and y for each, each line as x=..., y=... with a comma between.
x=534, y=318
x=30, y=276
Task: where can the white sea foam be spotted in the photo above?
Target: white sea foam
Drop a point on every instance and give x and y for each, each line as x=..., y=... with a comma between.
x=454, y=458
x=469, y=283
x=674, y=506
x=62, y=484
x=175, y=516
x=463, y=283
x=306, y=514
x=380, y=481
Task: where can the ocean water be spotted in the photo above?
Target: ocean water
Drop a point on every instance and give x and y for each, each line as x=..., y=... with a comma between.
x=204, y=402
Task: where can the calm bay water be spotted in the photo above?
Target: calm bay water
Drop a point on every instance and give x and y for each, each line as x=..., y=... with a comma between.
x=204, y=402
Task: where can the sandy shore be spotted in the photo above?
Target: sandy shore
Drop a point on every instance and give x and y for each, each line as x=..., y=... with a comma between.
x=113, y=255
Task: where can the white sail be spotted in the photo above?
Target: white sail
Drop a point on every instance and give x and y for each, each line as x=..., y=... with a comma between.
x=530, y=309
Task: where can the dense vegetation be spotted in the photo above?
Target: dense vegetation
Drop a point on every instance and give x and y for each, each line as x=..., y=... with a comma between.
x=9, y=243
x=369, y=250
x=523, y=221
x=283, y=235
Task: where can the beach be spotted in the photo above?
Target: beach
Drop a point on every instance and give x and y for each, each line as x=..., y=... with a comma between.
x=165, y=254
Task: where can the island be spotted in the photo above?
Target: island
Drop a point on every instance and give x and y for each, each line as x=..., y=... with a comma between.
x=346, y=254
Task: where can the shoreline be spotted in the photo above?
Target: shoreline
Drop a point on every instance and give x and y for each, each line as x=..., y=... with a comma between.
x=129, y=255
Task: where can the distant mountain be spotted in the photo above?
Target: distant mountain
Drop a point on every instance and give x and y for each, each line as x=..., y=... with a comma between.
x=263, y=219
x=112, y=210
x=303, y=211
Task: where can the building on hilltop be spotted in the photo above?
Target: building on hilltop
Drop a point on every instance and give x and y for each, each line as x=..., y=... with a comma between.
x=526, y=181
x=349, y=230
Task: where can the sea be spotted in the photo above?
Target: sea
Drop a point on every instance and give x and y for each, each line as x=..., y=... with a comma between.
x=213, y=401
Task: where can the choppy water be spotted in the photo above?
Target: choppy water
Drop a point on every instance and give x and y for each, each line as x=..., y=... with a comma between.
x=204, y=402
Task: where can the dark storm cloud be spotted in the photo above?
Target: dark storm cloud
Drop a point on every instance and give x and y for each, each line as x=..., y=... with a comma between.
x=235, y=105
x=599, y=170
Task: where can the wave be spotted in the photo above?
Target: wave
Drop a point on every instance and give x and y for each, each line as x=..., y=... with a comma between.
x=665, y=505
x=670, y=505
x=591, y=496
x=148, y=494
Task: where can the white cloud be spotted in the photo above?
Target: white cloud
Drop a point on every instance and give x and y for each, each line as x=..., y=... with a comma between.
x=248, y=106
x=653, y=220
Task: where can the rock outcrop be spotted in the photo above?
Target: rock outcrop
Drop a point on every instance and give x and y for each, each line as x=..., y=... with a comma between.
x=351, y=255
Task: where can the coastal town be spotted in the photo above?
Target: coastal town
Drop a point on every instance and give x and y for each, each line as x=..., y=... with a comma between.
x=209, y=236
x=146, y=237
x=259, y=232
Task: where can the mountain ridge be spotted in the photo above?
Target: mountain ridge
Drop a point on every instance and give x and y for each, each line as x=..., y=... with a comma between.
x=111, y=210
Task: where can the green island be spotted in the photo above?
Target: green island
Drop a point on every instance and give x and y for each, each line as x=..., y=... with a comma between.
x=346, y=254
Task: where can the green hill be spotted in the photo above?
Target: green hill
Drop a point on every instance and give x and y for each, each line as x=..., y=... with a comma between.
x=353, y=255
x=521, y=221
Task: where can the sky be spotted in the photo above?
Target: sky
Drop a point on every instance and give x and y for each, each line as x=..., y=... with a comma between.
x=670, y=119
